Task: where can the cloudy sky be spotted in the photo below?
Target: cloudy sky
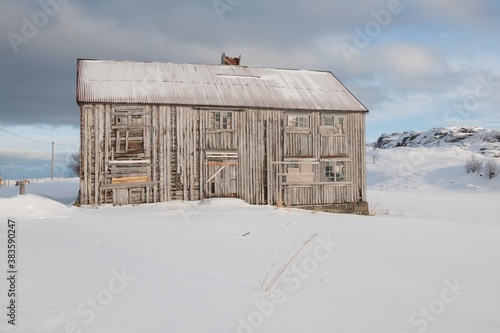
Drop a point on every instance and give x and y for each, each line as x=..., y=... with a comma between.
x=415, y=64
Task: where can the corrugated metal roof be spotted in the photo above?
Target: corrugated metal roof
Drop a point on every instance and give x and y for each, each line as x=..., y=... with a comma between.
x=106, y=81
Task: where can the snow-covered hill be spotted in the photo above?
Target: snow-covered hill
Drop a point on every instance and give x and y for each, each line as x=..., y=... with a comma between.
x=475, y=139
x=426, y=168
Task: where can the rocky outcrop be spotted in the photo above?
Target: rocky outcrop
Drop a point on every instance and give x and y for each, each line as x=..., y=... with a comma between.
x=476, y=139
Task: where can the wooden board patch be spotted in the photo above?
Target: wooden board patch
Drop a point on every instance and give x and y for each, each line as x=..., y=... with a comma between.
x=125, y=180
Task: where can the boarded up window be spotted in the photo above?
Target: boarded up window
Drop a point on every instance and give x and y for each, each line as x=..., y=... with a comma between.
x=128, y=134
x=300, y=173
x=298, y=136
x=136, y=119
x=121, y=118
x=129, y=118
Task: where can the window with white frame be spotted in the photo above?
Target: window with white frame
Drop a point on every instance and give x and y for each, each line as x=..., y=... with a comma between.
x=336, y=123
x=221, y=120
x=335, y=171
x=327, y=121
x=298, y=121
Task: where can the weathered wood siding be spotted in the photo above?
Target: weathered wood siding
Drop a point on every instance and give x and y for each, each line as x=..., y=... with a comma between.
x=135, y=154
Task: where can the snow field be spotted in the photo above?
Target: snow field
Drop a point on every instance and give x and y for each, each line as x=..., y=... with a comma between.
x=426, y=262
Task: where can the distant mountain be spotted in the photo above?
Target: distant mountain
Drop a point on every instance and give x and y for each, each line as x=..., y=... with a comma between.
x=476, y=139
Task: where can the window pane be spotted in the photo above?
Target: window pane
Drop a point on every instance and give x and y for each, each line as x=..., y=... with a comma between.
x=298, y=121
x=339, y=125
x=335, y=171
x=328, y=121
x=217, y=119
x=221, y=120
x=303, y=121
x=329, y=172
x=227, y=120
x=293, y=121
x=212, y=119
x=340, y=171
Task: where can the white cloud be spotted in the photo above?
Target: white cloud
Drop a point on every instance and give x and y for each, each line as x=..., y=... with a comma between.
x=410, y=60
x=9, y=153
x=457, y=11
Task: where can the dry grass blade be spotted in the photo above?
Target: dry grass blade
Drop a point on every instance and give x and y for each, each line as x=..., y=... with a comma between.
x=266, y=285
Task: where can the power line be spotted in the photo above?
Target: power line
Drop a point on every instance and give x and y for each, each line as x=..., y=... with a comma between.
x=39, y=141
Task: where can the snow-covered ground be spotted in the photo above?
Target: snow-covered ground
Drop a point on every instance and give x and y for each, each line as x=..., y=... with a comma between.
x=428, y=261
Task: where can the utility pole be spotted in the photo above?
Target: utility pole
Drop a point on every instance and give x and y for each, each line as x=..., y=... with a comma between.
x=52, y=167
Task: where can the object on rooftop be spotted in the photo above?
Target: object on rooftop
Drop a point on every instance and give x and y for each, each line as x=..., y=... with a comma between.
x=226, y=60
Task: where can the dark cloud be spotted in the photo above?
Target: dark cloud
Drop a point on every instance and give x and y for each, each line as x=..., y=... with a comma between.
x=408, y=56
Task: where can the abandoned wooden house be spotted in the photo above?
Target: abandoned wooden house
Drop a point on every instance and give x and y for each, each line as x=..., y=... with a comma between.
x=159, y=131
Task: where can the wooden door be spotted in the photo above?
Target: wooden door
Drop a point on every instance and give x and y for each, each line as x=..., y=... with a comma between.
x=221, y=180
